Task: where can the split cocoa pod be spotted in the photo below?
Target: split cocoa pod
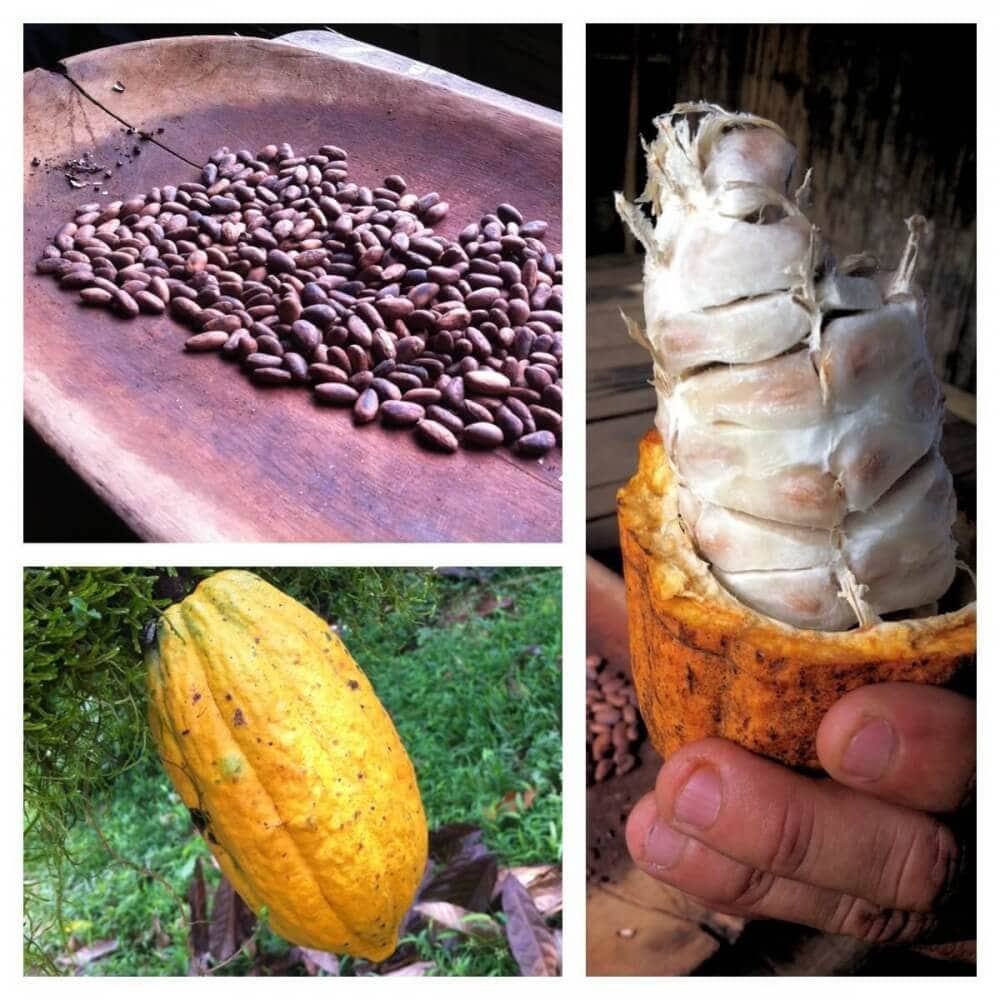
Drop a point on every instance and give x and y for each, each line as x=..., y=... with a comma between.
x=704, y=664
x=291, y=768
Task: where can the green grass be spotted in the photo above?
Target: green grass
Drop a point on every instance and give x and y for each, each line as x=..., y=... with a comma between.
x=477, y=705
x=143, y=820
x=455, y=955
x=475, y=691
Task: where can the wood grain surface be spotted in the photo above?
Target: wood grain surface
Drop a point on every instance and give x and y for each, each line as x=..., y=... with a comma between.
x=182, y=447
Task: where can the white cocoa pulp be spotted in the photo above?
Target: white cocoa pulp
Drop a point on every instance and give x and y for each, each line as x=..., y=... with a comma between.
x=796, y=398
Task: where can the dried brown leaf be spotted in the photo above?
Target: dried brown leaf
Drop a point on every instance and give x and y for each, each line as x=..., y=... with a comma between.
x=543, y=882
x=532, y=944
x=477, y=925
x=413, y=921
x=277, y=965
x=89, y=953
x=514, y=802
x=413, y=969
x=467, y=881
x=233, y=922
x=315, y=961
x=449, y=841
x=487, y=604
x=199, y=928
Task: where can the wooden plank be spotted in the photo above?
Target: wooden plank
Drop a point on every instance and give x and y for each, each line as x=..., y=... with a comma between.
x=605, y=326
x=612, y=270
x=611, y=405
x=601, y=499
x=619, y=397
x=960, y=402
x=602, y=533
x=612, y=455
x=637, y=927
x=613, y=446
x=618, y=380
x=180, y=446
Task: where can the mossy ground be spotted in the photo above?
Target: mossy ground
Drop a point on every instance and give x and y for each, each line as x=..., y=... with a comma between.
x=468, y=666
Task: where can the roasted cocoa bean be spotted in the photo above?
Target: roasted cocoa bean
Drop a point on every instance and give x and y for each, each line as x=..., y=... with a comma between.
x=210, y=341
x=271, y=376
x=335, y=393
x=367, y=407
x=536, y=444
x=482, y=435
x=311, y=278
x=95, y=296
x=398, y=413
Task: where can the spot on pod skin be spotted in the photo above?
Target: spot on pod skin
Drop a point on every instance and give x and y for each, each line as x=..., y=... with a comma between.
x=231, y=765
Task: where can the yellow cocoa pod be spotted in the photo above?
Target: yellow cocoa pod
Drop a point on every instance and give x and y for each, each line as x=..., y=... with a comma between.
x=291, y=767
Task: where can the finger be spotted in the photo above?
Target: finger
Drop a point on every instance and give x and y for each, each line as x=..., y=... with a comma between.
x=724, y=884
x=909, y=743
x=838, y=913
x=767, y=817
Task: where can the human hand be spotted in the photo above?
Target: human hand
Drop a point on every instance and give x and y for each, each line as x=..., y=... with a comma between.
x=861, y=854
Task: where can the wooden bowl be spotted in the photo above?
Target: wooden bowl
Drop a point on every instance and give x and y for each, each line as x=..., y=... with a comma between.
x=182, y=447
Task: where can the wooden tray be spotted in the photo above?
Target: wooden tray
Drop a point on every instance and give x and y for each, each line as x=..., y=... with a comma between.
x=182, y=447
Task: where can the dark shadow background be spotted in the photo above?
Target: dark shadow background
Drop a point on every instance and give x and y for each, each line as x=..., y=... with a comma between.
x=522, y=60
x=924, y=73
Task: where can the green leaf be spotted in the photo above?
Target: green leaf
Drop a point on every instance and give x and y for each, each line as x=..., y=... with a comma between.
x=80, y=611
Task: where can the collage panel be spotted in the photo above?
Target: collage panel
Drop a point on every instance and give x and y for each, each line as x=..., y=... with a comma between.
x=781, y=500
x=294, y=283
x=292, y=771
x=317, y=273
x=303, y=284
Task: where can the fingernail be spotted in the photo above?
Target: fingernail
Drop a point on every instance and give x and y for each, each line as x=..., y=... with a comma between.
x=664, y=846
x=869, y=751
x=697, y=804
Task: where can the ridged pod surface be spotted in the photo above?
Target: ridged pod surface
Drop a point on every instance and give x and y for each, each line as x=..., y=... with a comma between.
x=291, y=767
x=705, y=664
